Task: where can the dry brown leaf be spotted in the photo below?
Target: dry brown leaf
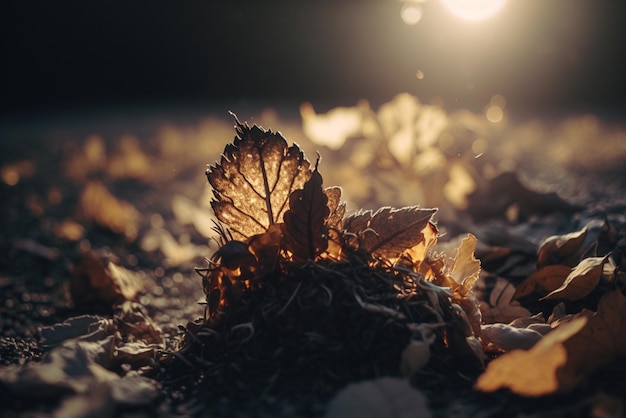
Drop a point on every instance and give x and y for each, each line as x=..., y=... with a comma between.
x=501, y=307
x=96, y=288
x=254, y=179
x=532, y=372
x=558, y=249
x=601, y=342
x=543, y=281
x=581, y=280
x=389, y=232
x=304, y=229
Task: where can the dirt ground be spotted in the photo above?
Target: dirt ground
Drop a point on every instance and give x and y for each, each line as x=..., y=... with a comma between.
x=129, y=188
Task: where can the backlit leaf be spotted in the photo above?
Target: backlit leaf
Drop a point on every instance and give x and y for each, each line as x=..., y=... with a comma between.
x=388, y=232
x=581, y=281
x=254, y=178
x=304, y=232
x=336, y=206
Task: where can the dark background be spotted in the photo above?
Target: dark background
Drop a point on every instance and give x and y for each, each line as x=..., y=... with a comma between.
x=541, y=55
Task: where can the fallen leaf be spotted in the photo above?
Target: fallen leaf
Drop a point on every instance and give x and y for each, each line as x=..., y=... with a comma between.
x=558, y=249
x=388, y=232
x=508, y=337
x=501, y=307
x=96, y=288
x=601, y=342
x=99, y=205
x=532, y=372
x=385, y=397
x=581, y=280
x=254, y=179
x=304, y=229
x=543, y=281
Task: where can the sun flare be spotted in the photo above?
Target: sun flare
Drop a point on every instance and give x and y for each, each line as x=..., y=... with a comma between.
x=474, y=10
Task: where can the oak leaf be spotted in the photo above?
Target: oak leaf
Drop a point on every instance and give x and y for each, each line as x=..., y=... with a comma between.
x=581, y=280
x=304, y=230
x=388, y=232
x=252, y=182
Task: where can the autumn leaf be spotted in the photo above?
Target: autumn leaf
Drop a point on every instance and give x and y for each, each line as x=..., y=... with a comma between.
x=581, y=280
x=388, y=232
x=601, y=342
x=543, y=281
x=254, y=179
x=559, y=249
x=531, y=372
x=304, y=232
x=502, y=308
x=336, y=207
x=565, y=356
x=466, y=267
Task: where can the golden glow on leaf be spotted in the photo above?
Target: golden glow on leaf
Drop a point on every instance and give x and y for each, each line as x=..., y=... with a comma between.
x=254, y=179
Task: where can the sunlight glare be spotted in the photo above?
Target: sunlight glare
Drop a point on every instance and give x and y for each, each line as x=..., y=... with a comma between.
x=474, y=10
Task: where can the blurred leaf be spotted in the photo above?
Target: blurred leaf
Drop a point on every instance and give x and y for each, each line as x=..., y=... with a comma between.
x=581, y=281
x=560, y=248
x=304, y=230
x=543, y=281
x=254, y=179
x=96, y=288
x=532, y=372
x=99, y=205
x=388, y=232
x=565, y=356
x=466, y=267
x=601, y=342
x=385, y=397
x=508, y=337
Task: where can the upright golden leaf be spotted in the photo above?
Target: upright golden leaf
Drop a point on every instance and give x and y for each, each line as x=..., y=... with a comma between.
x=254, y=178
x=389, y=232
x=304, y=230
x=336, y=207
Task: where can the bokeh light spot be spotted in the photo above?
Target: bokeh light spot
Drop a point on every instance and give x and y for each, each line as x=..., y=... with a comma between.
x=419, y=74
x=494, y=114
x=411, y=14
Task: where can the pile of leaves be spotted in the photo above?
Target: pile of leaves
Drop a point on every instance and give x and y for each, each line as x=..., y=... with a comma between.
x=301, y=298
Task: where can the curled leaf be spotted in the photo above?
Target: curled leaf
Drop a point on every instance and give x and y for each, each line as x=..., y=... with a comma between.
x=581, y=280
x=254, y=179
x=509, y=338
x=304, y=230
x=560, y=248
x=501, y=307
x=543, y=281
x=388, y=232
